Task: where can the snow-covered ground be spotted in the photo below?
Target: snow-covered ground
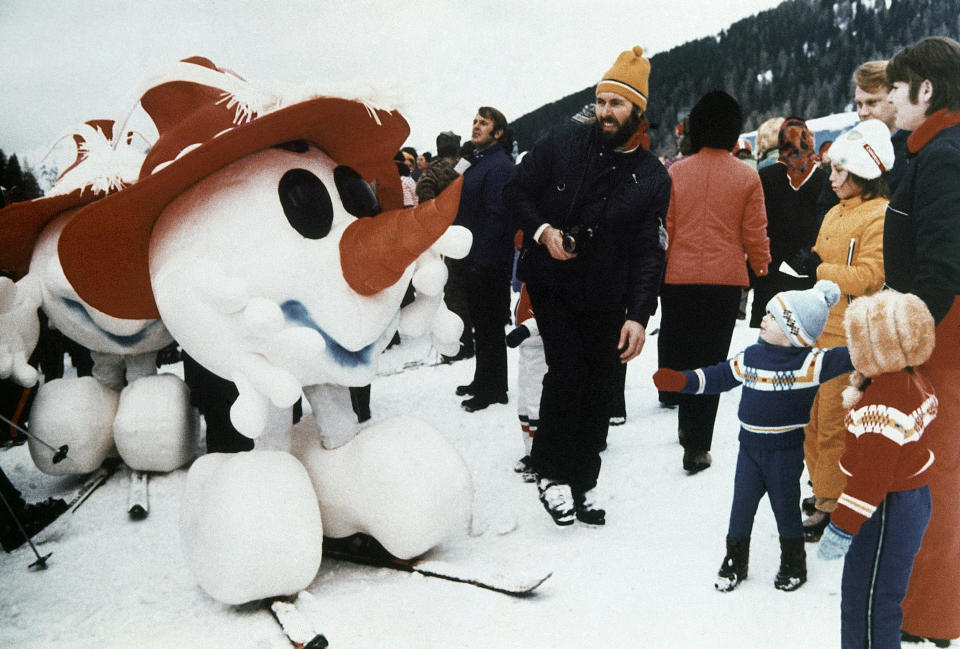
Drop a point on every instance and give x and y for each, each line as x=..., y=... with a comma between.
x=643, y=580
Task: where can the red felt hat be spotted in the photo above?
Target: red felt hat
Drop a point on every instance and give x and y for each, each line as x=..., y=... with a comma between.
x=22, y=222
x=208, y=117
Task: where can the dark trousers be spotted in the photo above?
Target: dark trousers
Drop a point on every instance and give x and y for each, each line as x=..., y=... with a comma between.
x=696, y=327
x=766, y=469
x=15, y=404
x=877, y=569
x=488, y=297
x=455, y=294
x=12, y=495
x=764, y=288
x=213, y=396
x=360, y=402
x=582, y=358
x=618, y=400
x=8, y=518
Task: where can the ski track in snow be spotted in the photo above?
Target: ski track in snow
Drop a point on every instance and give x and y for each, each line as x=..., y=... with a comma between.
x=643, y=580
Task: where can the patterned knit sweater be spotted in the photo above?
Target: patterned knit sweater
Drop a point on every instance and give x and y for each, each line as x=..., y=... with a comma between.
x=884, y=446
x=779, y=385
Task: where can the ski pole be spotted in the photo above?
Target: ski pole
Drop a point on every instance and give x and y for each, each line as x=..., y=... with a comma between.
x=59, y=454
x=41, y=562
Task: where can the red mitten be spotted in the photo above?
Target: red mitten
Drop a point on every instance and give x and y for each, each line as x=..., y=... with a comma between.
x=669, y=380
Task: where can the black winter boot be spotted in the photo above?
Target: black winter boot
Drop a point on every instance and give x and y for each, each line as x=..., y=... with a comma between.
x=733, y=570
x=33, y=518
x=557, y=499
x=793, y=565
x=587, y=510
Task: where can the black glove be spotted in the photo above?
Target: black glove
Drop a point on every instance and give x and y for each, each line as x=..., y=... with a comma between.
x=517, y=336
x=805, y=262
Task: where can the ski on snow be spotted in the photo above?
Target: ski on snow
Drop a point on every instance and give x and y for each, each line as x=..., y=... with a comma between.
x=296, y=626
x=410, y=365
x=364, y=549
x=91, y=483
x=80, y=494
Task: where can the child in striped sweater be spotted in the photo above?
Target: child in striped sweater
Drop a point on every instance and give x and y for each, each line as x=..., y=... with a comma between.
x=780, y=376
x=884, y=509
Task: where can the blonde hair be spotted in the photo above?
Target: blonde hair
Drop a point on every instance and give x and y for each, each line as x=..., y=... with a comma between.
x=768, y=136
x=872, y=76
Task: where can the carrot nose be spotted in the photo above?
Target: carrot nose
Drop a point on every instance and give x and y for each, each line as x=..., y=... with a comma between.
x=375, y=252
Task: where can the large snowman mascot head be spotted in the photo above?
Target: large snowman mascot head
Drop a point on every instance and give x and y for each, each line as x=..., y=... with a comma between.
x=264, y=231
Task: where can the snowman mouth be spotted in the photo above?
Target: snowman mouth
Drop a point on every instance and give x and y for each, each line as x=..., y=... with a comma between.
x=297, y=314
x=129, y=340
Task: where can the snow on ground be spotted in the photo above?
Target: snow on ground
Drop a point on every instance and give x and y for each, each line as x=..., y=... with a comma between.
x=643, y=580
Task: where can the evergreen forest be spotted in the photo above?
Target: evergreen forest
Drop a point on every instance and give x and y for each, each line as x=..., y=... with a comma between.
x=17, y=184
x=795, y=59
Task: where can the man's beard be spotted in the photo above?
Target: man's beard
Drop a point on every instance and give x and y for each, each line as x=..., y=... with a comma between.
x=622, y=134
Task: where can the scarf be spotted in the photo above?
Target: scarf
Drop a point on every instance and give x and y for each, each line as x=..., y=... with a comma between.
x=939, y=121
x=796, y=151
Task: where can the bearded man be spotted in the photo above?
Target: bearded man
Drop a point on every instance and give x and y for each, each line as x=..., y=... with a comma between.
x=591, y=203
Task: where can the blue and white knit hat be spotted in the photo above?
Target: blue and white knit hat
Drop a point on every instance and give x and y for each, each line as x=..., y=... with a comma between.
x=803, y=314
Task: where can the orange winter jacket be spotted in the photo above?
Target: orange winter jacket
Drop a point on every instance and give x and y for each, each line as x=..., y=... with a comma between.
x=716, y=214
x=850, y=243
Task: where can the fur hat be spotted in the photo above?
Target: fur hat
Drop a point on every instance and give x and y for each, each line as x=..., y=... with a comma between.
x=803, y=314
x=715, y=121
x=768, y=134
x=628, y=77
x=886, y=332
x=865, y=150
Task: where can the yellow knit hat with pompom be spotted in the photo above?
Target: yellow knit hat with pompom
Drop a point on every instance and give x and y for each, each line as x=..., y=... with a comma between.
x=628, y=77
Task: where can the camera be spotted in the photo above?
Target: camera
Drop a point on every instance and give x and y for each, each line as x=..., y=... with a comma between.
x=577, y=238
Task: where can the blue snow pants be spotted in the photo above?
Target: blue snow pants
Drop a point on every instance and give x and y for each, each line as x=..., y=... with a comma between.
x=877, y=569
x=768, y=464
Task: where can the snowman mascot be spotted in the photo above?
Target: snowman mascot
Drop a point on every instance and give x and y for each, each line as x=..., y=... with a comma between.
x=265, y=231
x=83, y=420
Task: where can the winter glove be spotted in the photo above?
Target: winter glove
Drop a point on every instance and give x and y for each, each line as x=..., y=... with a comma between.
x=669, y=380
x=834, y=543
x=805, y=262
x=517, y=336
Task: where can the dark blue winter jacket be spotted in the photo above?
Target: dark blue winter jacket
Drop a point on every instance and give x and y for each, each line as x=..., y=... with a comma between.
x=569, y=178
x=921, y=236
x=482, y=211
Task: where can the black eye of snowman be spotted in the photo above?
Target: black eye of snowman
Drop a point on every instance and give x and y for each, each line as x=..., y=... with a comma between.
x=355, y=193
x=306, y=203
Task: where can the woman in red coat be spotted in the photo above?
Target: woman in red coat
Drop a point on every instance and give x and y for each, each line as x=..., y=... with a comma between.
x=921, y=252
x=716, y=213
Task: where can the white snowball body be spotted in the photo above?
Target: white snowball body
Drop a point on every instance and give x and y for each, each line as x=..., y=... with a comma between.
x=156, y=429
x=250, y=526
x=398, y=480
x=78, y=412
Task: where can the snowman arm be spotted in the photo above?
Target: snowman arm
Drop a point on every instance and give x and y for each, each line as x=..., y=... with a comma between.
x=19, y=328
x=428, y=313
x=455, y=242
x=259, y=382
x=334, y=413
